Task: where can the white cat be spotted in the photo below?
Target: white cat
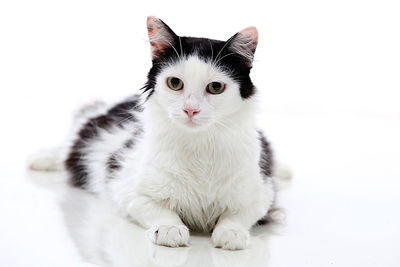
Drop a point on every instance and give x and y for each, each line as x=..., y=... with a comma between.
x=185, y=155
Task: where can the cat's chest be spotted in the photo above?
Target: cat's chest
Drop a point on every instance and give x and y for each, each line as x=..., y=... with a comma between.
x=205, y=161
x=198, y=205
x=201, y=180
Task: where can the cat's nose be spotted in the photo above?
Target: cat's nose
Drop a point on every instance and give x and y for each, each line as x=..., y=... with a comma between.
x=191, y=112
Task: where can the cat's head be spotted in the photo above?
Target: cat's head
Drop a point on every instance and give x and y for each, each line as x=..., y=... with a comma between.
x=197, y=81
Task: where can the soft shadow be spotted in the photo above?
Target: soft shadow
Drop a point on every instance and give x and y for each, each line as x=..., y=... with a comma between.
x=105, y=238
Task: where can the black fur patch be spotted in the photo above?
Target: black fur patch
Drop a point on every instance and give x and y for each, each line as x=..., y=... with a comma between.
x=267, y=219
x=118, y=116
x=266, y=160
x=266, y=166
x=219, y=52
x=114, y=161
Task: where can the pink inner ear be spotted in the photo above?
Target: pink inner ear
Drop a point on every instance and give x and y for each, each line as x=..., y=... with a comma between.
x=158, y=36
x=245, y=44
x=153, y=26
x=251, y=32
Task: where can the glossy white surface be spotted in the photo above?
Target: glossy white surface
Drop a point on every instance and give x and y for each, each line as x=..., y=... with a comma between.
x=341, y=208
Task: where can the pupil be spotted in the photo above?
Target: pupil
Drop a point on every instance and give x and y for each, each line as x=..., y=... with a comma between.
x=175, y=82
x=216, y=86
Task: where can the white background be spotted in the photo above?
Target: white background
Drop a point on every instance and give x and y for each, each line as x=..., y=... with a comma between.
x=328, y=80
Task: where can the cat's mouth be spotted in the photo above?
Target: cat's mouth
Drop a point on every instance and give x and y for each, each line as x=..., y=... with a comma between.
x=191, y=123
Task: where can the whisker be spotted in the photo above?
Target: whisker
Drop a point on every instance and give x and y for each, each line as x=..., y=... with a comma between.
x=226, y=43
x=180, y=44
x=224, y=57
x=223, y=125
x=212, y=51
x=165, y=40
x=173, y=48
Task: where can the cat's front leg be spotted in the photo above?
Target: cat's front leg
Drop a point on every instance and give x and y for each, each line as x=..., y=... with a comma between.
x=143, y=197
x=232, y=230
x=165, y=226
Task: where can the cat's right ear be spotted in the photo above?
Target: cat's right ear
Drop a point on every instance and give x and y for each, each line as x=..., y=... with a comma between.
x=161, y=37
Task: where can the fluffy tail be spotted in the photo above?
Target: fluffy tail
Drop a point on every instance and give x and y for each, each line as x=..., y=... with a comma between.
x=53, y=159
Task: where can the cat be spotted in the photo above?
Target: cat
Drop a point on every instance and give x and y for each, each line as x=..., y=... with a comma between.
x=185, y=154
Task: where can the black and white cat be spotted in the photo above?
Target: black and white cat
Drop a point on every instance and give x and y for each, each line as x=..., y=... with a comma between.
x=186, y=153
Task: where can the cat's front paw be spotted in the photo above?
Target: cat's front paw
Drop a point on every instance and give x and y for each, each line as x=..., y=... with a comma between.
x=231, y=239
x=169, y=235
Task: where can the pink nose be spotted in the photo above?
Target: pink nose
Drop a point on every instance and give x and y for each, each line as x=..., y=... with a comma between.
x=191, y=112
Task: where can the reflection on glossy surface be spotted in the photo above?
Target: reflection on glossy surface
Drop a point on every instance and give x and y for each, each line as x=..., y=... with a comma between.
x=105, y=238
x=342, y=208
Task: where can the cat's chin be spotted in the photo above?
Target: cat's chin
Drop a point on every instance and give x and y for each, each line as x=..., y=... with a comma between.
x=192, y=126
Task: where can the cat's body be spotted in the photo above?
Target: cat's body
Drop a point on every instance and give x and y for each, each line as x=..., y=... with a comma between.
x=184, y=156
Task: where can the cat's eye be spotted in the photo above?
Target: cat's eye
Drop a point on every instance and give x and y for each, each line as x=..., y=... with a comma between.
x=215, y=88
x=174, y=83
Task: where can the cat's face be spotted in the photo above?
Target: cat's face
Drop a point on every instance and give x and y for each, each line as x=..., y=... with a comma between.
x=196, y=81
x=195, y=93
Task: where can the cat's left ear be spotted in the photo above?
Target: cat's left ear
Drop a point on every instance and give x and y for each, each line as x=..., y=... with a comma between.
x=161, y=37
x=245, y=43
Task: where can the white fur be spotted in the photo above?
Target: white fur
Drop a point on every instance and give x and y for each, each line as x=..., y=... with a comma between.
x=206, y=175
x=203, y=173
